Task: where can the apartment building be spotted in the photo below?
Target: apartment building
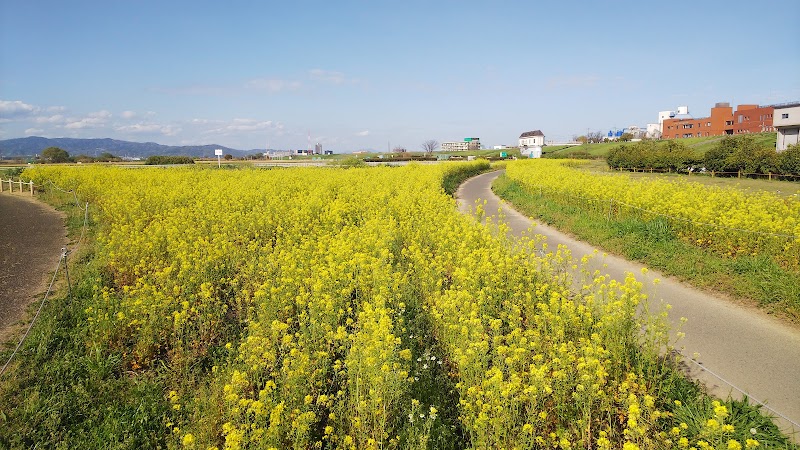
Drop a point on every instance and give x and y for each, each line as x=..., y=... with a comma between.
x=462, y=146
x=722, y=120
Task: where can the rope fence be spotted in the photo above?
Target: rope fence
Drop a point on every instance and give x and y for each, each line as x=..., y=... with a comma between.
x=608, y=206
x=738, y=389
x=710, y=173
x=61, y=261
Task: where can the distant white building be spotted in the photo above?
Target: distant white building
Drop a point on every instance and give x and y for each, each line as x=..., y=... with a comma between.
x=636, y=132
x=653, y=131
x=681, y=113
x=786, y=120
x=462, y=146
x=531, y=139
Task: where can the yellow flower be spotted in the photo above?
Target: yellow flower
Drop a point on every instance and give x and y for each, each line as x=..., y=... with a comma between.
x=734, y=445
x=188, y=440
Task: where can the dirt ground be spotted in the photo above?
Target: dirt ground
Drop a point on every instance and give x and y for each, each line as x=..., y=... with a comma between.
x=31, y=237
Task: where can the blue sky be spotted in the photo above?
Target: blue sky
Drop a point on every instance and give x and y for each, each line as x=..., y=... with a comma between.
x=368, y=74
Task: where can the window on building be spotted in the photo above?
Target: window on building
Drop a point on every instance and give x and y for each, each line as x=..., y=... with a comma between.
x=741, y=118
x=728, y=122
x=708, y=124
x=785, y=116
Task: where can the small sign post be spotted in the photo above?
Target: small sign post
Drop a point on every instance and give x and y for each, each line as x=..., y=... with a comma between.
x=218, y=152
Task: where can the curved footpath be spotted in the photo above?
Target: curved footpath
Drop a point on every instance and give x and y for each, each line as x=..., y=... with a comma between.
x=31, y=237
x=742, y=345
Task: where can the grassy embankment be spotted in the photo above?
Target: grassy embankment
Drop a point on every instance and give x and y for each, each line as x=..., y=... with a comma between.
x=700, y=145
x=655, y=242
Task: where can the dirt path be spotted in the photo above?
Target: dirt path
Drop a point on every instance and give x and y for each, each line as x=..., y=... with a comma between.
x=749, y=349
x=31, y=237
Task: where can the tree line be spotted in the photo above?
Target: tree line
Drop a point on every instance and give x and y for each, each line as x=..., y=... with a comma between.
x=59, y=155
x=732, y=155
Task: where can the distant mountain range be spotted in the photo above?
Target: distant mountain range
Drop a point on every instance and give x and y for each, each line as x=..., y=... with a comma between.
x=30, y=146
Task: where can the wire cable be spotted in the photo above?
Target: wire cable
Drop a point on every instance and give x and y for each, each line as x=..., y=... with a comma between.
x=38, y=311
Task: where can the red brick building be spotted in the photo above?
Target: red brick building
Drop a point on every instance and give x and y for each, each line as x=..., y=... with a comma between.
x=723, y=120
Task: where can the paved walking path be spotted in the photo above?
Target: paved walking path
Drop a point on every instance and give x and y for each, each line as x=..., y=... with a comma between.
x=750, y=349
x=31, y=236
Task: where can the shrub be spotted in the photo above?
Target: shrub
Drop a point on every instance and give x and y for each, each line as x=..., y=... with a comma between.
x=670, y=155
x=159, y=160
x=788, y=161
x=741, y=154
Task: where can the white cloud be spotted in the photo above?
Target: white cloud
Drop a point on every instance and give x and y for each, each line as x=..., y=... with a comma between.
x=92, y=120
x=273, y=85
x=363, y=133
x=58, y=118
x=33, y=131
x=128, y=114
x=166, y=130
x=329, y=76
x=101, y=114
x=244, y=125
x=16, y=108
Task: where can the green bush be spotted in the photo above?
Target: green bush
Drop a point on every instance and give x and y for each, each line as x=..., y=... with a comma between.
x=570, y=155
x=788, y=161
x=348, y=162
x=160, y=160
x=669, y=155
x=744, y=154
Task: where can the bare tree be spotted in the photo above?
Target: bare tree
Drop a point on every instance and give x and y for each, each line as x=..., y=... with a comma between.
x=595, y=137
x=430, y=146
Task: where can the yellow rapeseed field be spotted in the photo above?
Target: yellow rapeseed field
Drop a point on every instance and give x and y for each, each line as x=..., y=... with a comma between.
x=727, y=220
x=325, y=308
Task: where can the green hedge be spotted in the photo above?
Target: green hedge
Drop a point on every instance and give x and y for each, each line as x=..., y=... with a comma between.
x=670, y=155
x=733, y=154
x=160, y=160
x=743, y=154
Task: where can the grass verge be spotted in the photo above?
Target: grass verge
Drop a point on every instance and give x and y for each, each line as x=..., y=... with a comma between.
x=654, y=242
x=59, y=392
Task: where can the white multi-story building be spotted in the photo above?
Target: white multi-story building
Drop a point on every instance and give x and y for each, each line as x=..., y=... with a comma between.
x=530, y=143
x=653, y=131
x=786, y=120
x=682, y=113
x=531, y=139
x=462, y=146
